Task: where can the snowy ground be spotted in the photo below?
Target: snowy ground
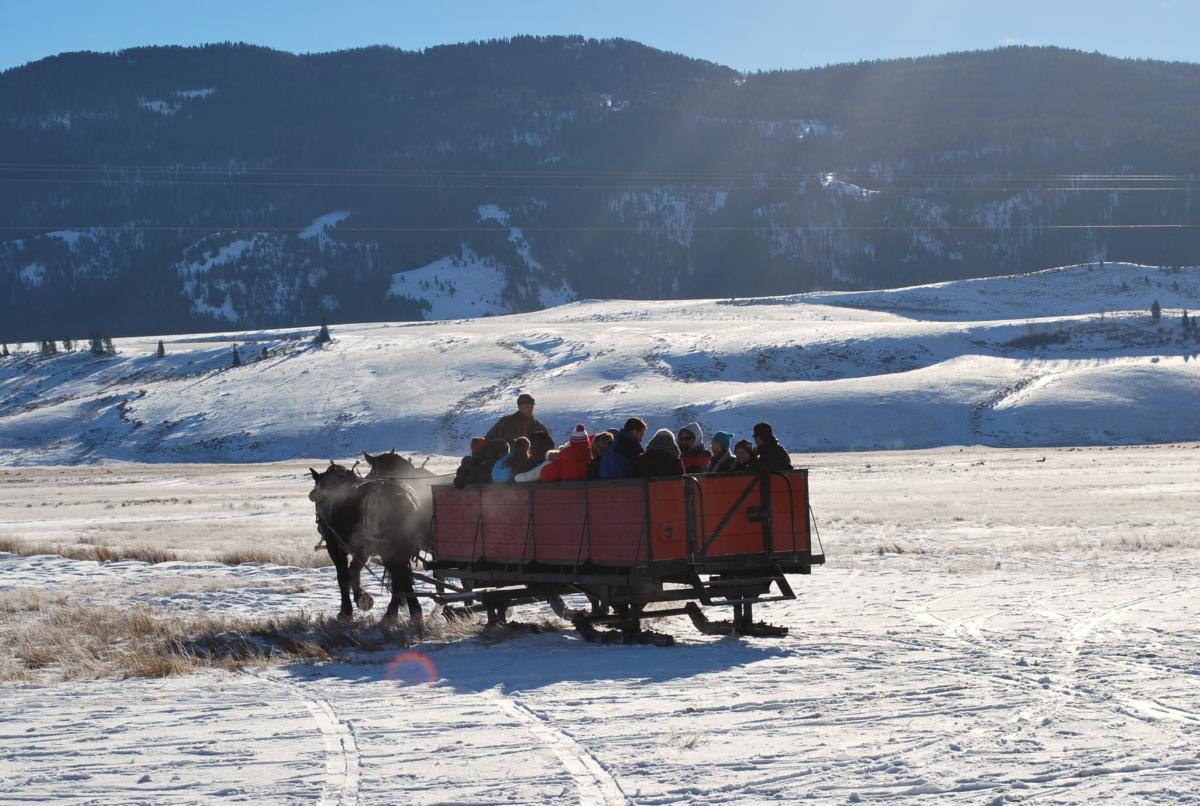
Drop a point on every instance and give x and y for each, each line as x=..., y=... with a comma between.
x=994, y=625
x=1068, y=356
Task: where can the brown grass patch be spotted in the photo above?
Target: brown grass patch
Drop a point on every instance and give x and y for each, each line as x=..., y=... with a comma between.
x=298, y=559
x=88, y=548
x=73, y=642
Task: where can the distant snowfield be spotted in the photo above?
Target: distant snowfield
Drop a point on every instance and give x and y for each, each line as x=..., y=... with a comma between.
x=1061, y=357
x=993, y=626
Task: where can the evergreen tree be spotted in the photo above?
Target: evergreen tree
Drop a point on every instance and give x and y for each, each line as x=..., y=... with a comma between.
x=1155, y=311
x=96, y=345
x=323, y=336
x=1187, y=323
x=160, y=351
x=237, y=358
x=49, y=347
x=109, y=349
x=4, y=351
x=68, y=344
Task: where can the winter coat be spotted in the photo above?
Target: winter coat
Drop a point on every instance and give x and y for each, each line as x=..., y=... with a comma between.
x=514, y=425
x=657, y=463
x=721, y=464
x=661, y=457
x=504, y=470
x=571, y=464
x=593, y=471
x=620, y=460
x=772, y=458
x=697, y=457
x=477, y=469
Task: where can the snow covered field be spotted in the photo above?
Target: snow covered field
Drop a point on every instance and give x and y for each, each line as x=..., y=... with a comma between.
x=1068, y=356
x=993, y=626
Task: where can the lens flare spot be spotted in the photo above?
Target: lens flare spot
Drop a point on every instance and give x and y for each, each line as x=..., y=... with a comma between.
x=410, y=669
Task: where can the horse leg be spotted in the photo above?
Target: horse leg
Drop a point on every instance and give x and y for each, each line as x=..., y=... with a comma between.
x=342, y=564
x=362, y=598
x=402, y=588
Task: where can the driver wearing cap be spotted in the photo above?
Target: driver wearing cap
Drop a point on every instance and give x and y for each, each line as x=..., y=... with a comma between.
x=520, y=423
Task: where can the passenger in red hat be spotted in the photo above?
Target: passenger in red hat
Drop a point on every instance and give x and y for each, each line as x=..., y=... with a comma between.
x=572, y=462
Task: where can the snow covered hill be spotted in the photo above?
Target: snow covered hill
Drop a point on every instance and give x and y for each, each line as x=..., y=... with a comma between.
x=1064, y=356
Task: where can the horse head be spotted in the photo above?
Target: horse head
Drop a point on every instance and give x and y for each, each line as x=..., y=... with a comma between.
x=392, y=465
x=334, y=480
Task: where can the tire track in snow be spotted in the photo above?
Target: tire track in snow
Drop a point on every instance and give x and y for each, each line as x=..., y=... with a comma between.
x=594, y=783
x=341, y=751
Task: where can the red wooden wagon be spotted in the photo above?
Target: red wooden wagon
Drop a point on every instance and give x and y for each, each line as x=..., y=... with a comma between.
x=628, y=546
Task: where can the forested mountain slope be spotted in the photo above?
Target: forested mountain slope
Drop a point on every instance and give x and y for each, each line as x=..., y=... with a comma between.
x=186, y=189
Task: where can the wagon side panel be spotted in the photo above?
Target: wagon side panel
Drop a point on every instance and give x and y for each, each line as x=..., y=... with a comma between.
x=505, y=524
x=559, y=516
x=456, y=525
x=616, y=524
x=789, y=512
x=727, y=506
x=668, y=520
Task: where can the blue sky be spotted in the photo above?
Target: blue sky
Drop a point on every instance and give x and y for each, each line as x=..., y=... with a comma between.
x=740, y=33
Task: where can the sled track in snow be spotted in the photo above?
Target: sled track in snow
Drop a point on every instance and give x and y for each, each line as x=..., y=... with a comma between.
x=340, y=786
x=594, y=783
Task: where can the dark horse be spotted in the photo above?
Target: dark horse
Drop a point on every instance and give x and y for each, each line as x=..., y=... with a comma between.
x=380, y=515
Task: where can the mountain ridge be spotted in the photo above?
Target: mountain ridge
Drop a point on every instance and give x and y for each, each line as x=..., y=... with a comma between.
x=553, y=168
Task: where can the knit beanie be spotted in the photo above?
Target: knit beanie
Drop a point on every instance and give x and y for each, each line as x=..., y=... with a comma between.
x=696, y=432
x=664, y=440
x=580, y=434
x=744, y=443
x=724, y=439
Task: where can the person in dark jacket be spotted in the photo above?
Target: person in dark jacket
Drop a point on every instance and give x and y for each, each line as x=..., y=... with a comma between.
x=600, y=443
x=520, y=423
x=691, y=447
x=479, y=469
x=743, y=456
x=620, y=460
x=465, y=465
x=661, y=457
x=769, y=455
x=540, y=445
x=722, y=460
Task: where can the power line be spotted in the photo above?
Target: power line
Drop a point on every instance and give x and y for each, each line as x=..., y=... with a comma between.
x=505, y=230
x=579, y=173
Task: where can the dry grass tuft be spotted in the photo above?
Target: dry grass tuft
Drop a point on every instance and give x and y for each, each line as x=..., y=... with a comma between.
x=89, y=548
x=500, y=633
x=28, y=601
x=81, y=642
x=297, y=559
